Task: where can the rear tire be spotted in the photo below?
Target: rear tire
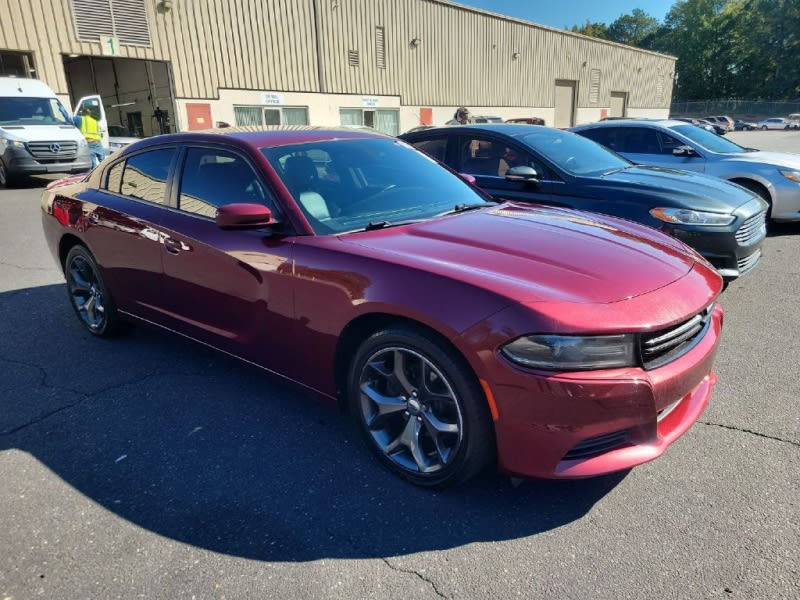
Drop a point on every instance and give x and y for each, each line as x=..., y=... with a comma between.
x=88, y=294
x=419, y=408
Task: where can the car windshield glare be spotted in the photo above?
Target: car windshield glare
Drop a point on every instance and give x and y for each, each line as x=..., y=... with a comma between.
x=708, y=140
x=31, y=111
x=575, y=154
x=349, y=185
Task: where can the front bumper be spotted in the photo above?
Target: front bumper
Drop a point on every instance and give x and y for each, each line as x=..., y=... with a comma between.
x=733, y=250
x=19, y=162
x=572, y=425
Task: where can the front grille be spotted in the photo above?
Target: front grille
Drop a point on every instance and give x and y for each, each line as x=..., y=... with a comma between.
x=663, y=346
x=748, y=262
x=598, y=445
x=752, y=230
x=53, y=151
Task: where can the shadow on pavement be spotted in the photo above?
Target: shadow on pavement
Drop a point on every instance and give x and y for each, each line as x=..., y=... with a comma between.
x=200, y=448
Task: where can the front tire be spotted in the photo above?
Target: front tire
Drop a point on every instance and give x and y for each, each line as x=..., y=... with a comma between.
x=89, y=297
x=6, y=179
x=420, y=408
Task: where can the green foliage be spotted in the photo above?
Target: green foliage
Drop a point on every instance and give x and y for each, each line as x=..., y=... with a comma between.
x=725, y=48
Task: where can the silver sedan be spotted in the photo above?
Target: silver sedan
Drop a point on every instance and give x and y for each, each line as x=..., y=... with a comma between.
x=774, y=176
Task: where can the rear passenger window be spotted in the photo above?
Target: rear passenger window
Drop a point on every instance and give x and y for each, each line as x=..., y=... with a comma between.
x=145, y=175
x=115, y=177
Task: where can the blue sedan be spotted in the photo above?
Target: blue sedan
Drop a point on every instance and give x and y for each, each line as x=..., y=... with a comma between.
x=722, y=221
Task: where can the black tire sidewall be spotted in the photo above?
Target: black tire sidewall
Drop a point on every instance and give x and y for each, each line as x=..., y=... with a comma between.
x=110, y=324
x=477, y=447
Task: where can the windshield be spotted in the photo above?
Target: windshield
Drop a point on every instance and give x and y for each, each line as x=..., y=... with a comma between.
x=349, y=185
x=32, y=111
x=575, y=154
x=708, y=140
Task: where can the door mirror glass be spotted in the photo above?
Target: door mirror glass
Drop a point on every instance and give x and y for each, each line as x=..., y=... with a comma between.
x=522, y=173
x=683, y=151
x=244, y=215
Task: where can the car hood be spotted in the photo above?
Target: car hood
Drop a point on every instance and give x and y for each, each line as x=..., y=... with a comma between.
x=778, y=159
x=534, y=253
x=673, y=187
x=42, y=133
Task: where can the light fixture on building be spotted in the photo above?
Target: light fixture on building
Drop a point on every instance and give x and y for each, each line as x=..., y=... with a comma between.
x=515, y=56
x=416, y=42
x=164, y=6
x=73, y=55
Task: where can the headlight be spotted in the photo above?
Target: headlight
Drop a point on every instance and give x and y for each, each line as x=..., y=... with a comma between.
x=571, y=352
x=684, y=216
x=16, y=143
x=82, y=142
x=793, y=175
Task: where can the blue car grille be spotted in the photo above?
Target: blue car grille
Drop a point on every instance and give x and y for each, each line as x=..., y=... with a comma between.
x=752, y=230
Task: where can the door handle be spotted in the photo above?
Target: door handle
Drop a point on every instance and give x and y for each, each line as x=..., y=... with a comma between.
x=172, y=246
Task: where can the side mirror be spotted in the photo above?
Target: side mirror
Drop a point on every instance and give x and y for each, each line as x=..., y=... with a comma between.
x=522, y=173
x=683, y=151
x=244, y=216
x=468, y=178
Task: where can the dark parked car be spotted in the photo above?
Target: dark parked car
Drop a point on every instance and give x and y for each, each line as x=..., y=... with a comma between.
x=723, y=222
x=459, y=332
x=741, y=125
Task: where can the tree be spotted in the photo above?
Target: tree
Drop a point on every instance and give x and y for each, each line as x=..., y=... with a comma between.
x=633, y=28
x=596, y=30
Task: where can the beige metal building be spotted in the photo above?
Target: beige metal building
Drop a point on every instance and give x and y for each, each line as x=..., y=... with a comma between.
x=389, y=64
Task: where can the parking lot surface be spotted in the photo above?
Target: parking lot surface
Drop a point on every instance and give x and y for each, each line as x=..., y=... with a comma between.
x=152, y=467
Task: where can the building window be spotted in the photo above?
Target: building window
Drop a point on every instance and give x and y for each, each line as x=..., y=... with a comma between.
x=125, y=20
x=16, y=64
x=255, y=116
x=380, y=48
x=385, y=120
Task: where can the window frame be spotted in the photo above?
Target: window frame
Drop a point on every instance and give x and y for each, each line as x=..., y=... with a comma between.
x=265, y=107
x=124, y=160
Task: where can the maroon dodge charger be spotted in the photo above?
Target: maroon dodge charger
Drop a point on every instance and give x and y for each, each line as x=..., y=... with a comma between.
x=460, y=333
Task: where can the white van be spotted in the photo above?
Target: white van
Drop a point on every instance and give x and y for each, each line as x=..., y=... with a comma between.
x=36, y=132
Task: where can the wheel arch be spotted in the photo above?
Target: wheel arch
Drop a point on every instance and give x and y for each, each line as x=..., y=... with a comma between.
x=65, y=244
x=363, y=326
x=754, y=185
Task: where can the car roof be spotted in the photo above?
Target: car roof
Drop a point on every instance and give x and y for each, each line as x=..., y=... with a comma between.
x=508, y=129
x=635, y=122
x=267, y=136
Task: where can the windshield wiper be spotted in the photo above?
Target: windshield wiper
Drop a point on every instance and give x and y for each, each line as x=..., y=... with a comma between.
x=377, y=225
x=617, y=170
x=459, y=208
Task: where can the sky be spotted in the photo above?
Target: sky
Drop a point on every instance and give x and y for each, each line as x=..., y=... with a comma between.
x=566, y=13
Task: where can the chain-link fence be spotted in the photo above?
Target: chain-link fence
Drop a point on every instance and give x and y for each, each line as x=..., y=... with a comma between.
x=747, y=109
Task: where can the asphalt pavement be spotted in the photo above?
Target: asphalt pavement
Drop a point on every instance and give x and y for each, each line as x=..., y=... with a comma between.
x=152, y=467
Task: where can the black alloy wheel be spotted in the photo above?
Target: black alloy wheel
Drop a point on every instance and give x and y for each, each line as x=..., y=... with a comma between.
x=420, y=408
x=6, y=180
x=88, y=294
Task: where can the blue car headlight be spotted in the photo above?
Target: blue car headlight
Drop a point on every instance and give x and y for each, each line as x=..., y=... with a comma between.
x=685, y=216
x=572, y=352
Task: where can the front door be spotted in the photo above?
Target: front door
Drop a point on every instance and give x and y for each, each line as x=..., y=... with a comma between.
x=231, y=289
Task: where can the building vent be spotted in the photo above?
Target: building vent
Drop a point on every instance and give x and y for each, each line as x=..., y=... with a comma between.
x=124, y=19
x=594, y=86
x=352, y=58
x=380, y=48
x=660, y=84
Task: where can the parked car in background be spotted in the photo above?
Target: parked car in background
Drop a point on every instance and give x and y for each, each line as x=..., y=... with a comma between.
x=552, y=343
x=723, y=222
x=774, y=176
x=36, y=133
x=774, y=123
x=794, y=121
x=119, y=137
x=716, y=128
x=699, y=123
x=742, y=125
x=528, y=120
x=477, y=119
x=724, y=121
